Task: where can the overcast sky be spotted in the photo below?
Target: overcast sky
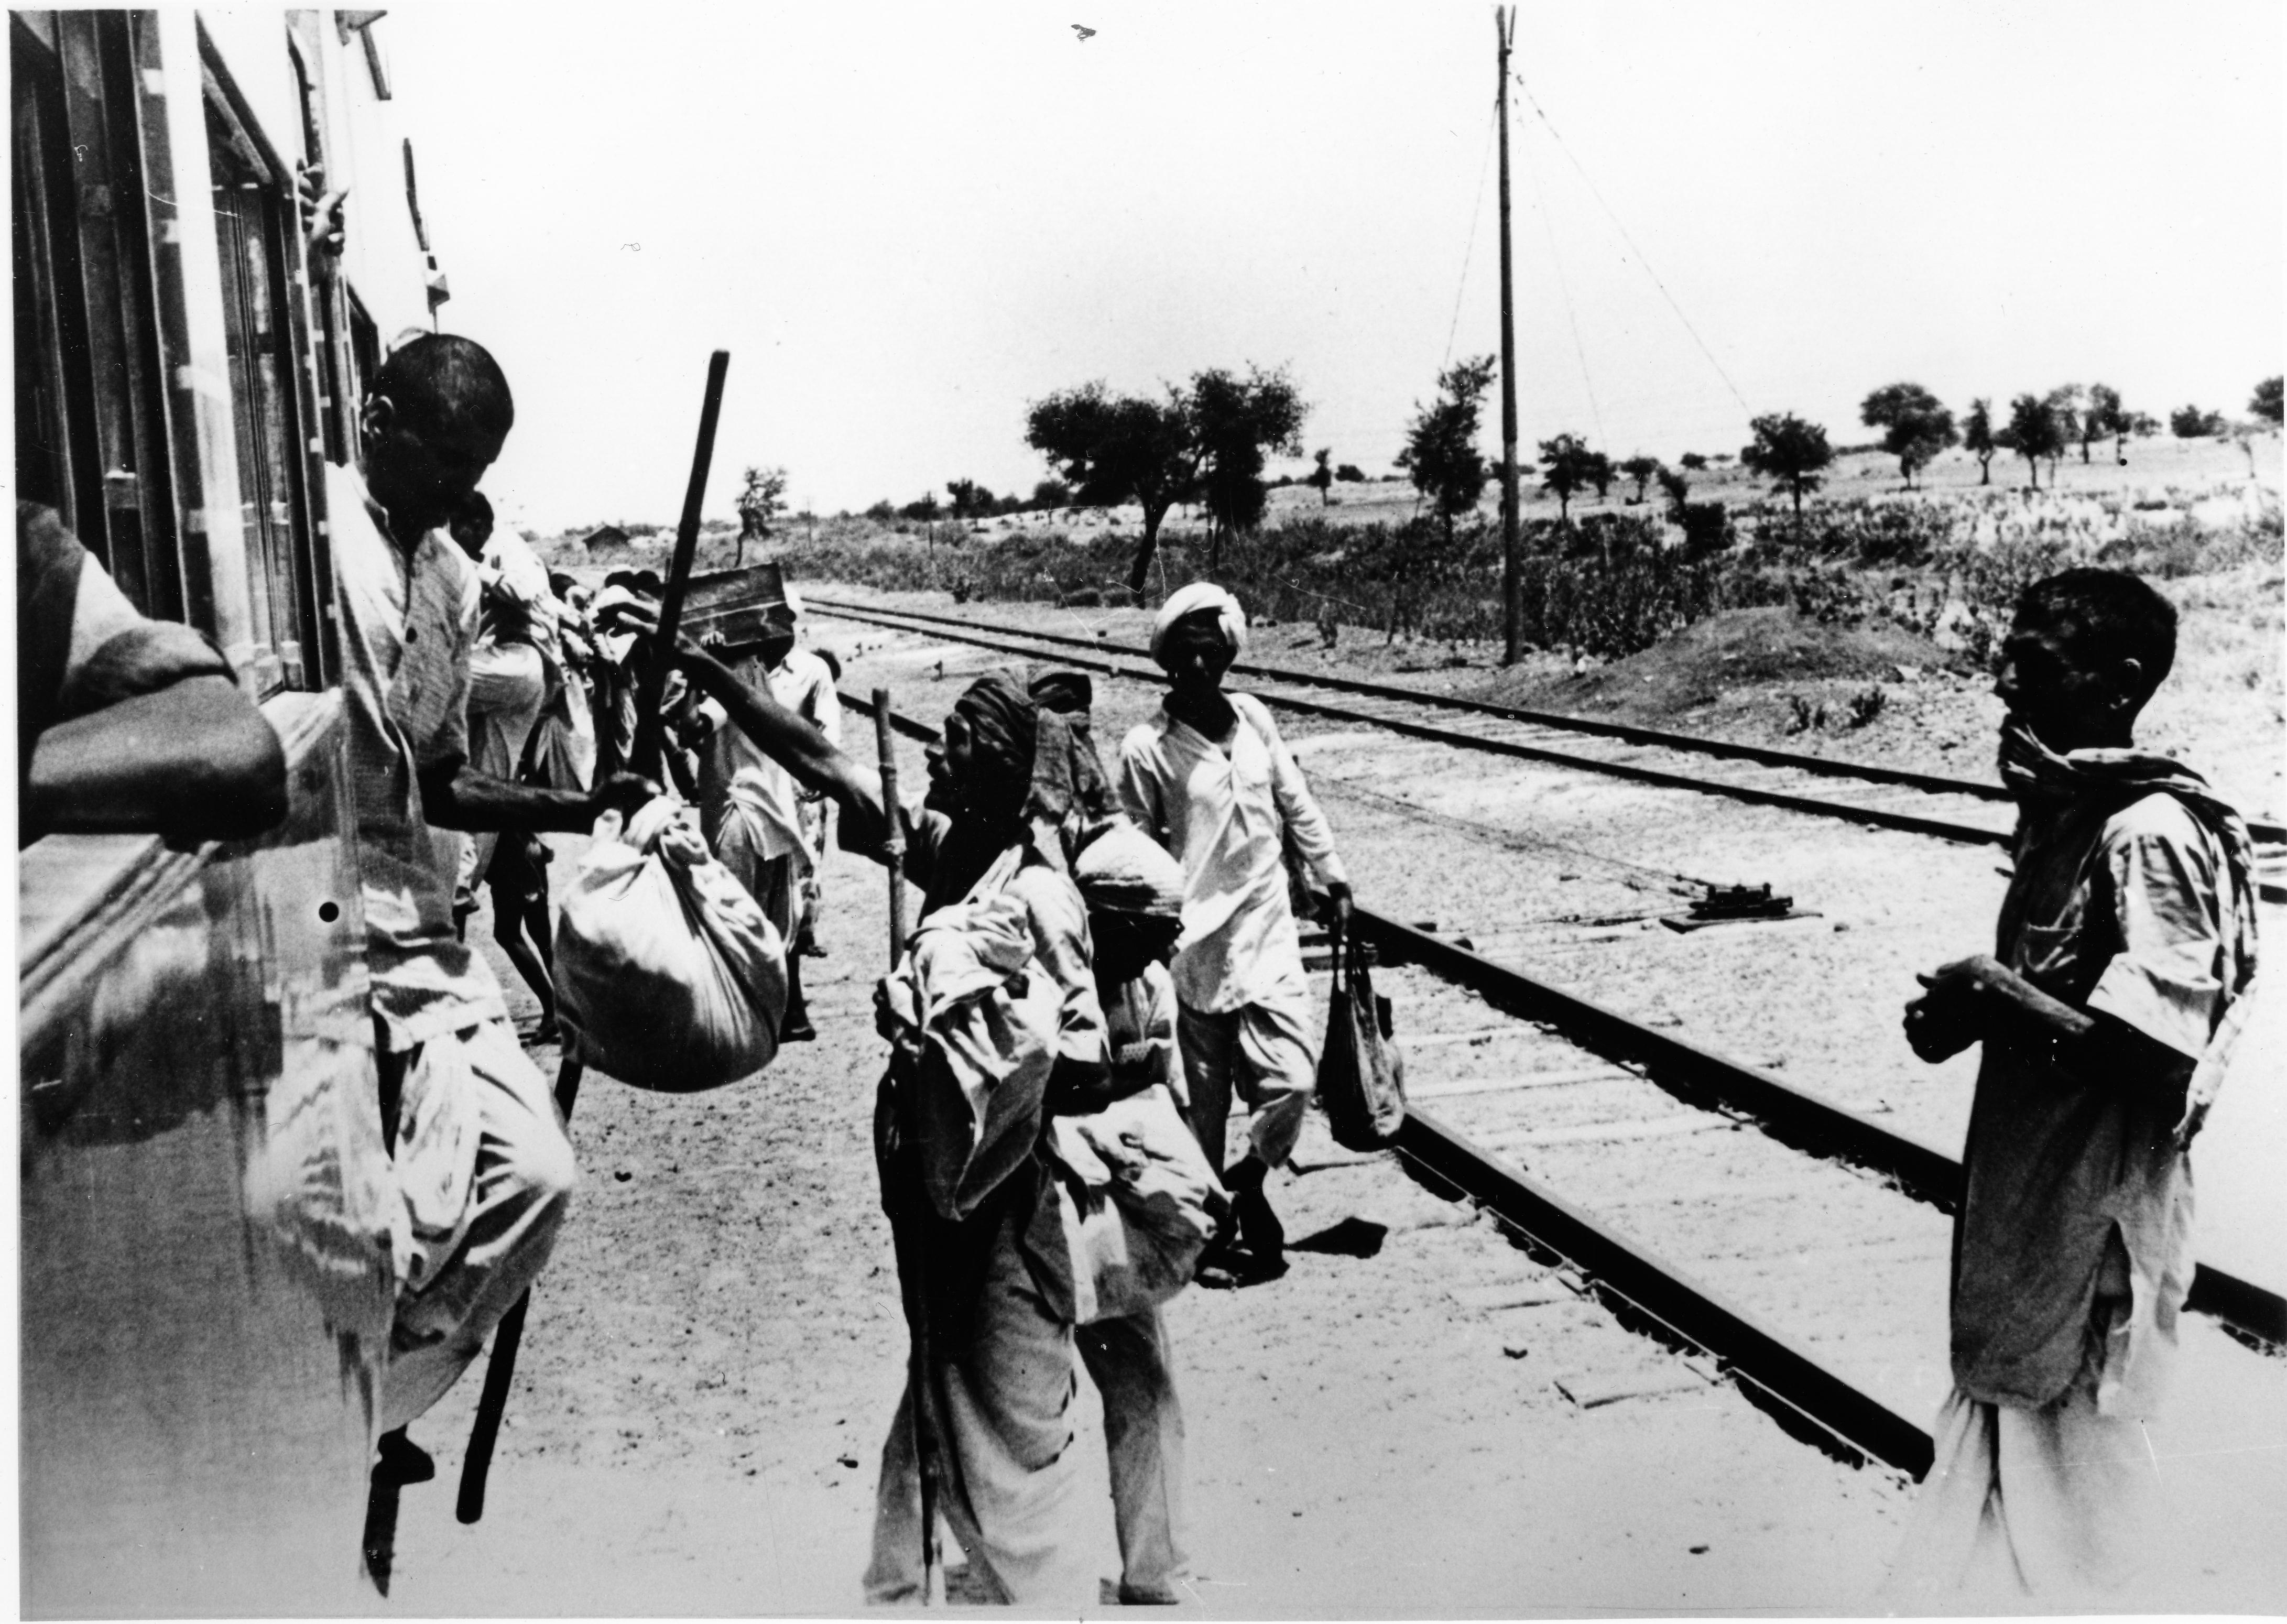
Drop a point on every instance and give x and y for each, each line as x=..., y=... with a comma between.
x=906, y=222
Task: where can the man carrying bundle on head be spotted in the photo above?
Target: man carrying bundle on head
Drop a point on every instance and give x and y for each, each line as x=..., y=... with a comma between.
x=482, y=1160
x=2122, y=973
x=1001, y=923
x=751, y=810
x=1211, y=780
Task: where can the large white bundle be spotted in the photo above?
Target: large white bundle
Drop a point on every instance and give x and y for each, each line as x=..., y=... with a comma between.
x=1132, y=1204
x=666, y=973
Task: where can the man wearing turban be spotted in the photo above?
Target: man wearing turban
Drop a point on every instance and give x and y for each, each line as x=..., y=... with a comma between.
x=1212, y=781
x=996, y=817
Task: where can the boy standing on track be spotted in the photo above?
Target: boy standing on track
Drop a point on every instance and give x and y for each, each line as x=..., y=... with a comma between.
x=481, y=1157
x=1210, y=779
x=2126, y=952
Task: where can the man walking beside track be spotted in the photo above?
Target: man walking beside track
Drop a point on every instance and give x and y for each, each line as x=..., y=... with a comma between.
x=1211, y=780
x=2121, y=976
x=482, y=1160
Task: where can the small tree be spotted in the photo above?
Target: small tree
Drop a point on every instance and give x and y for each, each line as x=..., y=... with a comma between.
x=2102, y=418
x=924, y=510
x=1051, y=493
x=2266, y=403
x=1789, y=451
x=2034, y=433
x=1978, y=438
x=1321, y=478
x=1441, y=455
x=1601, y=473
x=1567, y=468
x=970, y=500
x=1692, y=461
x=1915, y=426
x=1235, y=421
x=1349, y=473
x=761, y=500
x=1642, y=468
x=1676, y=489
x=1115, y=448
x=2190, y=423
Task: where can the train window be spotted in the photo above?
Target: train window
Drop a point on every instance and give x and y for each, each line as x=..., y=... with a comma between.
x=91, y=434
x=256, y=228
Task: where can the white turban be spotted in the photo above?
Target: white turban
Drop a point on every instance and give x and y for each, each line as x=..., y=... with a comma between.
x=792, y=602
x=1191, y=600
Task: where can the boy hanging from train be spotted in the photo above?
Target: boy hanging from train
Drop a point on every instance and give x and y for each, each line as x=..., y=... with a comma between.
x=484, y=1166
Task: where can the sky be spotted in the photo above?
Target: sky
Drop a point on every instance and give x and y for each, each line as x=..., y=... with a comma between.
x=906, y=223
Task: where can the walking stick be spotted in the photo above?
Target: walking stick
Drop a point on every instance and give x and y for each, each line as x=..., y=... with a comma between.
x=500, y=1370
x=901, y=1189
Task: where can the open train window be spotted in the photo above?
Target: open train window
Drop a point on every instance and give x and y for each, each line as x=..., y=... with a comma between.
x=337, y=400
x=256, y=221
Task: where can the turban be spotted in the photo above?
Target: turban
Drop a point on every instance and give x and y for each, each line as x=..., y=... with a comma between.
x=1201, y=595
x=1002, y=722
x=1124, y=870
x=1068, y=692
x=792, y=602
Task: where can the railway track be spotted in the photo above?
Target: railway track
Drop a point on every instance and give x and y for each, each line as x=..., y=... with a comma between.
x=1957, y=809
x=1740, y=1208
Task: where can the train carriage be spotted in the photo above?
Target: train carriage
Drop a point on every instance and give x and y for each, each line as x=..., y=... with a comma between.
x=205, y=1198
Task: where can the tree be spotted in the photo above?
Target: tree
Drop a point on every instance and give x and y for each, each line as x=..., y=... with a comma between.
x=1692, y=462
x=926, y=510
x=1676, y=489
x=1915, y=426
x=1978, y=438
x=2034, y=431
x=1567, y=468
x=1234, y=422
x=2102, y=419
x=1642, y=468
x=1789, y=451
x=1350, y=474
x=1441, y=455
x=970, y=500
x=2266, y=402
x=2066, y=400
x=2190, y=423
x=1322, y=478
x=1051, y=493
x=1110, y=449
x=761, y=501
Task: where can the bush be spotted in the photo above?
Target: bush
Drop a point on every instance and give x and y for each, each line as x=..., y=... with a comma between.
x=1350, y=474
x=1707, y=529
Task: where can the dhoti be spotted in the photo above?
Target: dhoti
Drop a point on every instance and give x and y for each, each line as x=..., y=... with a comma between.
x=1263, y=1052
x=1127, y=1359
x=1008, y=1383
x=486, y=1172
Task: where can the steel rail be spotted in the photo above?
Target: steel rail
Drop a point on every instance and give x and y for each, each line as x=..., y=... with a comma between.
x=1791, y=1115
x=2262, y=829
x=1910, y=823
x=1694, y=743
x=1784, y=1371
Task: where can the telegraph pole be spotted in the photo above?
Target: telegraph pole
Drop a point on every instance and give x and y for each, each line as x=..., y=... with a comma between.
x=1511, y=630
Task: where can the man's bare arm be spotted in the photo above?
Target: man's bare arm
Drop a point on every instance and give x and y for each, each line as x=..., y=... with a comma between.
x=1982, y=999
x=455, y=795
x=194, y=760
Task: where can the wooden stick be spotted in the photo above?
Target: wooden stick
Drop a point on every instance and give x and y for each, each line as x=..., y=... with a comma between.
x=648, y=739
x=893, y=842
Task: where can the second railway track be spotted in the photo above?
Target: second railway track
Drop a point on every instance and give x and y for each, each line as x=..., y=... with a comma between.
x=1797, y=1247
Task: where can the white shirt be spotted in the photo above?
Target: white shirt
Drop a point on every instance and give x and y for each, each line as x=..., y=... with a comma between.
x=1221, y=816
x=408, y=629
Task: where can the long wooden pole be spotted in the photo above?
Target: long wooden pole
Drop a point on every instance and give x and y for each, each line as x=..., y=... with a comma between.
x=1512, y=563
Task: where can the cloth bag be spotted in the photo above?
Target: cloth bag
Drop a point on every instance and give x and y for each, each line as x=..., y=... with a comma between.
x=1361, y=1075
x=667, y=976
x=1130, y=1205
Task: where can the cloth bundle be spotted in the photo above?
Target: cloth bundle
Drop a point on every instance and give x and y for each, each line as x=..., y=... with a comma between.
x=1131, y=1205
x=1121, y=869
x=668, y=975
x=987, y=1025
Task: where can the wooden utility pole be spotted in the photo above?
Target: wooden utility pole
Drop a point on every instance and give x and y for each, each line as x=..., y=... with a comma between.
x=1512, y=566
